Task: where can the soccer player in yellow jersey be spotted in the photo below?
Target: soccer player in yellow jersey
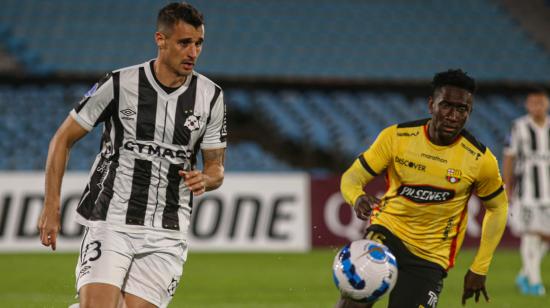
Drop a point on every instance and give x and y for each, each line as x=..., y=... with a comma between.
x=432, y=167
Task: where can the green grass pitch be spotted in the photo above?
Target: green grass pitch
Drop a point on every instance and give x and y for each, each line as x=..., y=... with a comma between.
x=239, y=280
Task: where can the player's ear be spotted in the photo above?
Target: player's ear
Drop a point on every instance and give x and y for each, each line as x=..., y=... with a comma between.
x=160, y=39
x=430, y=104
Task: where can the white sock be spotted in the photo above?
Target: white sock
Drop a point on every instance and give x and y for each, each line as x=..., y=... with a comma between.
x=531, y=248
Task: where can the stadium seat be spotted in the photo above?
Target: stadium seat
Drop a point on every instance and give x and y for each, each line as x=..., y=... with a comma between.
x=386, y=38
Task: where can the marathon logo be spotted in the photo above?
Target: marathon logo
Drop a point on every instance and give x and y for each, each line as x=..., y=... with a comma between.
x=425, y=193
x=156, y=150
x=433, y=157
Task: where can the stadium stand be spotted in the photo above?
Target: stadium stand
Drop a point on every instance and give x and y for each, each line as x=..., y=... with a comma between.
x=386, y=40
x=533, y=17
x=359, y=41
x=339, y=122
x=29, y=116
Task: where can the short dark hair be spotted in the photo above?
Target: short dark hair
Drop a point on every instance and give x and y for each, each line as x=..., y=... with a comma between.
x=454, y=77
x=172, y=13
x=536, y=90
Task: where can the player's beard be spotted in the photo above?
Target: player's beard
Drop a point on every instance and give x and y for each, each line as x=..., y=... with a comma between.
x=448, y=136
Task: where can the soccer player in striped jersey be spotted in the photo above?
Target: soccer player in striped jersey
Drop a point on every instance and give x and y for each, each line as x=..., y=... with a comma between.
x=526, y=172
x=432, y=167
x=137, y=205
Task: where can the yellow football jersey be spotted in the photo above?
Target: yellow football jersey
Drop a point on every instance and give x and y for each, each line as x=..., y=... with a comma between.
x=425, y=204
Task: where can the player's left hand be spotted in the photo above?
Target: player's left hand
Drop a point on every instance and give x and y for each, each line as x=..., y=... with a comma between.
x=474, y=284
x=364, y=205
x=195, y=180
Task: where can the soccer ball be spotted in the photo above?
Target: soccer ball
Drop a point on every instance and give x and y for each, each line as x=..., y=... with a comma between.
x=364, y=270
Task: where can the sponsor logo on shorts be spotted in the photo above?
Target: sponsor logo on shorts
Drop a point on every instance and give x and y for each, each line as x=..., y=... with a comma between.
x=85, y=270
x=425, y=193
x=432, y=301
x=172, y=287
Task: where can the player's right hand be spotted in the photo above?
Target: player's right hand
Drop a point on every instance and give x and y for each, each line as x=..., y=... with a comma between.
x=49, y=224
x=364, y=205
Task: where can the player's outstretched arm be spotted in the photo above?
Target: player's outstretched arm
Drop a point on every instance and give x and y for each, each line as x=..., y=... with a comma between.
x=494, y=223
x=212, y=175
x=58, y=155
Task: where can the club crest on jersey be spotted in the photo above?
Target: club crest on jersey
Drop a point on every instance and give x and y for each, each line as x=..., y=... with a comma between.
x=453, y=175
x=192, y=122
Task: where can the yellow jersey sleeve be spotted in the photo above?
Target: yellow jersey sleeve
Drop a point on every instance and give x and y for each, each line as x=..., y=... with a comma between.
x=353, y=181
x=489, y=182
x=368, y=165
x=490, y=190
x=380, y=154
x=494, y=223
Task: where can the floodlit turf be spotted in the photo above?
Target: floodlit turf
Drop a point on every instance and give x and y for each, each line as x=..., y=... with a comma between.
x=246, y=280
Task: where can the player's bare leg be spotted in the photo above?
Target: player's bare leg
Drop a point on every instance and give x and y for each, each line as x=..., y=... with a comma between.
x=133, y=301
x=348, y=303
x=95, y=295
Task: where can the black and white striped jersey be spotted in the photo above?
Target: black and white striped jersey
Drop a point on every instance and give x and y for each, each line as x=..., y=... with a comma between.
x=148, y=136
x=530, y=144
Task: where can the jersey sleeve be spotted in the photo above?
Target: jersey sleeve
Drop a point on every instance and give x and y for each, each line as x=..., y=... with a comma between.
x=95, y=107
x=216, y=126
x=489, y=183
x=379, y=155
x=511, y=147
x=368, y=165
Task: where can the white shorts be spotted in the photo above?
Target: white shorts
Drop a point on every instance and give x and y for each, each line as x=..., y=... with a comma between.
x=143, y=264
x=530, y=219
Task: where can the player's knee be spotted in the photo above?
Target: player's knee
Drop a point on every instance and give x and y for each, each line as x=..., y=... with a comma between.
x=95, y=295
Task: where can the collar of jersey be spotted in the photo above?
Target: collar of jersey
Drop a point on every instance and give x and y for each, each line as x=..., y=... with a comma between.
x=435, y=146
x=159, y=89
x=536, y=126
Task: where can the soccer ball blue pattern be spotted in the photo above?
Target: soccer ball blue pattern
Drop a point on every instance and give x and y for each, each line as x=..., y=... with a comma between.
x=364, y=271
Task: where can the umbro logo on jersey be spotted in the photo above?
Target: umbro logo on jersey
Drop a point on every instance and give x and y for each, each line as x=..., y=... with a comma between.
x=127, y=114
x=425, y=193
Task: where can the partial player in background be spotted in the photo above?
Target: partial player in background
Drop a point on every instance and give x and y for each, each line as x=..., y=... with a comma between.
x=137, y=205
x=432, y=167
x=526, y=172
